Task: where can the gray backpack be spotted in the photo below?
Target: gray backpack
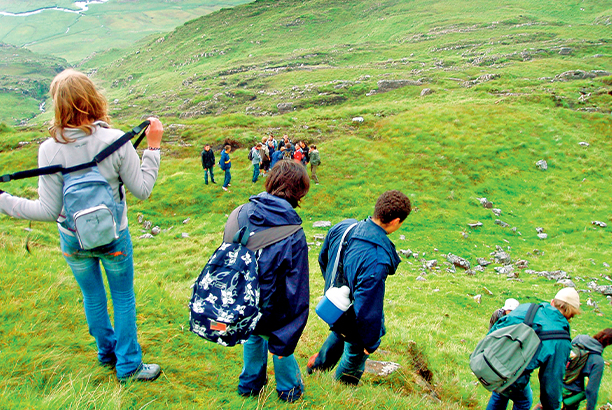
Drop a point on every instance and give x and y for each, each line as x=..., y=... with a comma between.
x=503, y=355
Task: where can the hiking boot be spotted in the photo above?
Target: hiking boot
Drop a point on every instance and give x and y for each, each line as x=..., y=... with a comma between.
x=311, y=362
x=146, y=373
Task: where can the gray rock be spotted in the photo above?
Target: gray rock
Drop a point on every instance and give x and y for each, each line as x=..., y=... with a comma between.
x=388, y=85
x=426, y=91
x=382, y=369
x=458, y=261
x=402, y=237
x=485, y=203
x=606, y=265
x=564, y=51
x=502, y=257
x=420, y=278
x=504, y=270
x=583, y=143
x=599, y=223
x=501, y=223
x=542, y=164
x=406, y=252
x=322, y=224
x=543, y=236
x=497, y=211
x=566, y=283
x=431, y=264
x=592, y=303
x=155, y=230
x=483, y=262
x=478, y=268
x=358, y=120
x=186, y=221
x=522, y=264
x=475, y=225
x=465, y=235
x=284, y=107
x=146, y=236
x=319, y=236
x=147, y=225
x=513, y=275
x=478, y=298
x=601, y=73
x=184, y=235
x=539, y=230
x=140, y=218
x=554, y=275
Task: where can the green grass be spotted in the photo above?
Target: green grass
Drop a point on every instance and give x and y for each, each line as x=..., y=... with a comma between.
x=444, y=150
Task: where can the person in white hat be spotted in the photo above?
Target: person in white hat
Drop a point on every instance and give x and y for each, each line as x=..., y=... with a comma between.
x=550, y=358
x=508, y=307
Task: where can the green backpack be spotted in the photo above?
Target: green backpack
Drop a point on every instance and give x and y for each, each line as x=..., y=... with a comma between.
x=577, y=360
x=503, y=355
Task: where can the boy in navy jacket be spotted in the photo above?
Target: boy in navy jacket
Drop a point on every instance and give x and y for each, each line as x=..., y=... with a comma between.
x=369, y=257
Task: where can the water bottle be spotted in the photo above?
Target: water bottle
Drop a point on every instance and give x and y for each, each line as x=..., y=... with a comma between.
x=335, y=302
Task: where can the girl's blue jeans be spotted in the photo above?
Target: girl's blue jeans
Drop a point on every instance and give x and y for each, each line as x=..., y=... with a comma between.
x=521, y=400
x=120, y=343
x=227, y=179
x=289, y=385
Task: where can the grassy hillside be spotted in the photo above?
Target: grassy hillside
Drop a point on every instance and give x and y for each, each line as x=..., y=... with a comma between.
x=496, y=109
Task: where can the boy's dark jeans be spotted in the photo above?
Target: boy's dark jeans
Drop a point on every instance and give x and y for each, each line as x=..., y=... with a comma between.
x=351, y=357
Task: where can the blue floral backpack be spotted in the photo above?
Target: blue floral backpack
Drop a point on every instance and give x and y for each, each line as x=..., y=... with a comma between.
x=225, y=302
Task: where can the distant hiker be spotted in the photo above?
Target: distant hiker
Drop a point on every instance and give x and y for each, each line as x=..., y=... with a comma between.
x=264, y=153
x=367, y=257
x=551, y=356
x=578, y=389
x=284, y=286
x=255, y=161
x=225, y=163
x=288, y=153
x=277, y=156
x=79, y=132
x=298, y=155
x=208, y=162
x=305, y=153
x=273, y=141
x=315, y=161
x=508, y=307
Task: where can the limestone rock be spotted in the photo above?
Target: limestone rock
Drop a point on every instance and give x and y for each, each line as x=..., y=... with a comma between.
x=502, y=257
x=284, y=107
x=599, y=223
x=501, y=223
x=426, y=91
x=497, y=211
x=539, y=229
x=431, y=264
x=478, y=268
x=155, y=230
x=146, y=236
x=147, y=225
x=478, y=298
x=522, y=264
x=483, y=262
x=358, y=120
x=186, y=221
x=543, y=236
x=542, y=164
x=567, y=283
x=554, y=275
x=388, y=85
x=322, y=224
x=319, y=236
x=184, y=235
x=564, y=51
x=420, y=278
x=583, y=144
x=458, y=261
x=504, y=270
x=485, y=203
x=406, y=252
x=382, y=369
x=475, y=225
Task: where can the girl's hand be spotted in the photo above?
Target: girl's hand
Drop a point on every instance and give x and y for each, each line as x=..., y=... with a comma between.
x=154, y=133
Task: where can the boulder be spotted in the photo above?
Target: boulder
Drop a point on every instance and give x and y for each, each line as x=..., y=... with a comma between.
x=426, y=91
x=155, y=230
x=542, y=164
x=284, y=107
x=458, y=261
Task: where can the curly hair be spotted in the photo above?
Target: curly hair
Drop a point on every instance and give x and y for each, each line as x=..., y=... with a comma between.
x=604, y=337
x=391, y=205
x=288, y=180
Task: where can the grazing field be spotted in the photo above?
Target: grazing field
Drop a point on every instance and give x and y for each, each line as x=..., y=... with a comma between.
x=505, y=94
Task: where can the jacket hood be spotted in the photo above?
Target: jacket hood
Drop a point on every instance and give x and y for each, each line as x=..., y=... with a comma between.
x=270, y=210
x=370, y=232
x=592, y=345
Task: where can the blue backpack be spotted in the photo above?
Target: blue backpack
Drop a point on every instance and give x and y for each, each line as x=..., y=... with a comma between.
x=91, y=210
x=224, y=305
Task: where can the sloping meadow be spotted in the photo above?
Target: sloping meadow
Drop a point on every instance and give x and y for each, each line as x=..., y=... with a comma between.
x=478, y=135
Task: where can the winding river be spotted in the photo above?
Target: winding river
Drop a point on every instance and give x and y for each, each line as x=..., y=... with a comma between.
x=82, y=5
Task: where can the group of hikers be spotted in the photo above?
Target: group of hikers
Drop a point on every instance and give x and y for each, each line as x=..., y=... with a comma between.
x=263, y=156
x=356, y=254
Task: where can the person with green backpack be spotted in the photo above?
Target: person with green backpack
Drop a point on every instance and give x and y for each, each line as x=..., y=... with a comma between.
x=585, y=369
x=549, y=355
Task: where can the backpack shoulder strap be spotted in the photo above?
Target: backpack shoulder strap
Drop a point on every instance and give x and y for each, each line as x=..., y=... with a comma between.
x=554, y=334
x=257, y=240
x=52, y=169
x=531, y=312
x=340, y=253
